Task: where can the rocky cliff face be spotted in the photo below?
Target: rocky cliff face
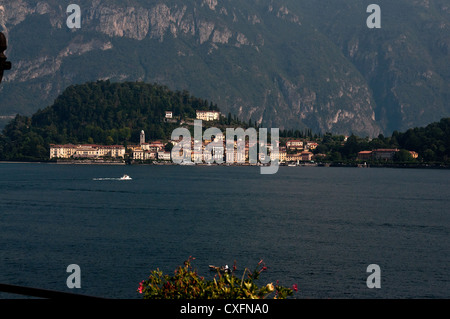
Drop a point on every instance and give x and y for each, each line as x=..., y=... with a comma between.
x=263, y=60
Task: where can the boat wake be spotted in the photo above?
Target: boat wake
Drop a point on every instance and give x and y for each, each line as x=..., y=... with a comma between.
x=123, y=178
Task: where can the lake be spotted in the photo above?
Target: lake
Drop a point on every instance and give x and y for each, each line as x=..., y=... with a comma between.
x=317, y=227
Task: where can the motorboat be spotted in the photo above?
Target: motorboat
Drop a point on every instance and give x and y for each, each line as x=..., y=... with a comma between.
x=125, y=178
x=187, y=163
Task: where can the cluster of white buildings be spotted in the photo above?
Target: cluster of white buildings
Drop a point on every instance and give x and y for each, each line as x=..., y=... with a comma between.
x=155, y=151
x=149, y=151
x=208, y=115
x=199, y=151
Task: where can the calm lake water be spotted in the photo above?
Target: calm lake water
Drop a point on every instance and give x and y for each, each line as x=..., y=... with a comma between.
x=316, y=227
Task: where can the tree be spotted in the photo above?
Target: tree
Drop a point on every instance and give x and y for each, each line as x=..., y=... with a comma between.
x=403, y=156
x=351, y=147
x=168, y=147
x=429, y=155
x=336, y=157
x=109, y=140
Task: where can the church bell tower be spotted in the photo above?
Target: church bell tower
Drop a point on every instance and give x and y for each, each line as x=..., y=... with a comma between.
x=142, y=138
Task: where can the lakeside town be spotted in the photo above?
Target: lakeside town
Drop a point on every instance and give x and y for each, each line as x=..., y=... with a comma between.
x=291, y=151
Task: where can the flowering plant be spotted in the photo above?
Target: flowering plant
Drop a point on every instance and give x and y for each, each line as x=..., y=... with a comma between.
x=187, y=284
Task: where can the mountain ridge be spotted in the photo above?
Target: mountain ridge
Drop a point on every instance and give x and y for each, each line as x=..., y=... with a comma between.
x=268, y=61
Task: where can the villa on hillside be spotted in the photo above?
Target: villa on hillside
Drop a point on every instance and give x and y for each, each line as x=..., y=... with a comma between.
x=294, y=145
x=311, y=145
x=207, y=115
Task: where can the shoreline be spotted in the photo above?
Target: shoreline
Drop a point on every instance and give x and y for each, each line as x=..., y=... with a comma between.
x=318, y=164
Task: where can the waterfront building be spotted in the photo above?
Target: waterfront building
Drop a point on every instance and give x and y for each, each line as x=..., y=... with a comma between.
x=62, y=151
x=293, y=157
x=364, y=155
x=114, y=151
x=237, y=156
x=164, y=156
x=384, y=154
x=144, y=155
x=281, y=155
x=134, y=147
x=86, y=151
x=156, y=146
x=197, y=156
x=306, y=156
x=138, y=154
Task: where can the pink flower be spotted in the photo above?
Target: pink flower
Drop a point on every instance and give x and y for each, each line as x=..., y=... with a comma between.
x=295, y=287
x=141, y=286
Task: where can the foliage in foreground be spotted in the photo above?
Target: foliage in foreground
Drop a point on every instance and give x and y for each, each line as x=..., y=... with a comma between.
x=187, y=284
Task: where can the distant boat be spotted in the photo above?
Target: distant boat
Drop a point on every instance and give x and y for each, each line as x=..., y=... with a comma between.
x=125, y=178
x=187, y=163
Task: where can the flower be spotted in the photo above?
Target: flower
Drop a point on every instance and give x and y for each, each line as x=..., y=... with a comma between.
x=270, y=287
x=295, y=287
x=141, y=286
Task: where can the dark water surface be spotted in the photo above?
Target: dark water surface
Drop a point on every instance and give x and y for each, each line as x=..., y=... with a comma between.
x=317, y=227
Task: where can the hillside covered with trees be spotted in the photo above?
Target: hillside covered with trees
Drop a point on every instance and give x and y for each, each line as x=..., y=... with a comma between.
x=102, y=113
x=432, y=143
x=109, y=113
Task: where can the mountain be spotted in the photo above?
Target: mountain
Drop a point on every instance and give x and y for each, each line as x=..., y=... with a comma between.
x=287, y=64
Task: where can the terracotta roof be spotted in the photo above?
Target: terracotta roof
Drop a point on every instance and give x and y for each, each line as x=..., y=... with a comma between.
x=386, y=150
x=198, y=111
